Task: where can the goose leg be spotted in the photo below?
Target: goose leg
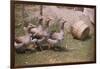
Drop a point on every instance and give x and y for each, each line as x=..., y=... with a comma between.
x=34, y=45
x=38, y=46
x=49, y=46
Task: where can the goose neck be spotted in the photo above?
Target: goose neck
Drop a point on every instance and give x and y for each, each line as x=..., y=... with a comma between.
x=62, y=26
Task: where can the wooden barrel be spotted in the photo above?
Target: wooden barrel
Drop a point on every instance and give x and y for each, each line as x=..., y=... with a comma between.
x=80, y=30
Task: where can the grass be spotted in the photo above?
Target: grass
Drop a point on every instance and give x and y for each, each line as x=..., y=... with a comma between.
x=77, y=50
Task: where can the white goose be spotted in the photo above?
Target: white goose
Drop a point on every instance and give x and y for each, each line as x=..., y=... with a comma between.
x=37, y=32
x=22, y=41
x=46, y=28
x=56, y=37
x=44, y=34
x=38, y=29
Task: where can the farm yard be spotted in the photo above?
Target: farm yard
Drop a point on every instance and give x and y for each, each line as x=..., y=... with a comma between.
x=72, y=49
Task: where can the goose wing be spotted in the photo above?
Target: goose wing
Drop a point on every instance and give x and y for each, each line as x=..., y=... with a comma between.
x=18, y=45
x=51, y=41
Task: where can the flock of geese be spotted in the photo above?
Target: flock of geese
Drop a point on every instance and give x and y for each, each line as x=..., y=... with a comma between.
x=35, y=35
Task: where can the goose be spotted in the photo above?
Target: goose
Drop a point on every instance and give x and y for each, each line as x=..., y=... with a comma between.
x=46, y=28
x=36, y=32
x=39, y=28
x=56, y=37
x=44, y=34
x=22, y=42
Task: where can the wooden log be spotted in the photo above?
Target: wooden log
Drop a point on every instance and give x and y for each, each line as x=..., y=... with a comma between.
x=80, y=30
